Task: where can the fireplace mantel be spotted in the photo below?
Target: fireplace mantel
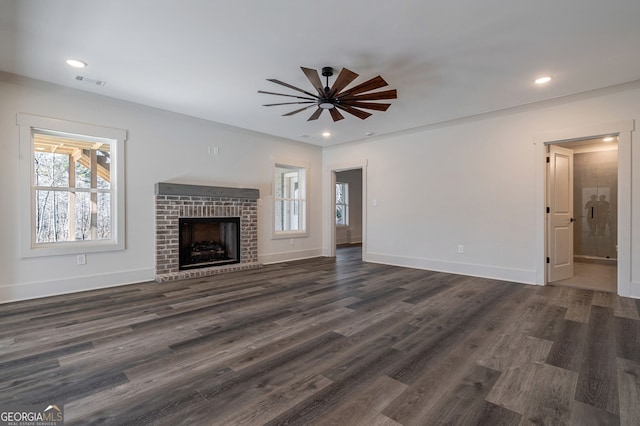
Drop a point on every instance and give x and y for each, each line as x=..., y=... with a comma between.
x=174, y=201
x=164, y=188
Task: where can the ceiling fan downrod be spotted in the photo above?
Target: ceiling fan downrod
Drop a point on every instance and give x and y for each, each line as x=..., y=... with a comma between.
x=327, y=72
x=326, y=102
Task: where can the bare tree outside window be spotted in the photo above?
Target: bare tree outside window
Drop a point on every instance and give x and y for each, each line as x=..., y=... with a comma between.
x=342, y=204
x=72, y=188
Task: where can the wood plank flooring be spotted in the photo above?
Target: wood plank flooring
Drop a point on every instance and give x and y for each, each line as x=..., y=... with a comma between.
x=330, y=342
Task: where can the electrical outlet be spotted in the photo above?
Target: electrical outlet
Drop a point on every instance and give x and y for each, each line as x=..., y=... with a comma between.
x=81, y=259
x=291, y=241
x=460, y=248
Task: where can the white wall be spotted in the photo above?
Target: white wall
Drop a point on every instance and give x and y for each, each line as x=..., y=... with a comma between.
x=476, y=182
x=161, y=147
x=352, y=233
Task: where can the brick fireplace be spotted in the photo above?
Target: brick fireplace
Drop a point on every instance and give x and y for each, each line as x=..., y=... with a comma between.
x=178, y=203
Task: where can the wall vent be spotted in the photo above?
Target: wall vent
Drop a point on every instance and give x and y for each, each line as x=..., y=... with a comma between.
x=90, y=80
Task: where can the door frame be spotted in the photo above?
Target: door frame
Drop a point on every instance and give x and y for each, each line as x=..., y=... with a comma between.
x=623, y=130
x=330, y=193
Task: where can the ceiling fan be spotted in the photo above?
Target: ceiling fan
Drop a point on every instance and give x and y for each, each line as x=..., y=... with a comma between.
x=337, y=97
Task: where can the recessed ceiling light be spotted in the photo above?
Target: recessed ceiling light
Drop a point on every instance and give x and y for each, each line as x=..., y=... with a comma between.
x=326, y=134
x=76, y=63
x=542, y=80
x=608, y=139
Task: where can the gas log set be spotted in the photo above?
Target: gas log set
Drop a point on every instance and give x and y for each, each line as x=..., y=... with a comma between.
x=207, y=251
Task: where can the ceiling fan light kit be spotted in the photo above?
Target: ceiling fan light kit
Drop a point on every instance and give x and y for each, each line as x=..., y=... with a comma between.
x=353, y=100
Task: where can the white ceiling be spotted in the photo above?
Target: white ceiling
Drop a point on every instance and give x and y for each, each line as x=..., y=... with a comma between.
x=208, y=58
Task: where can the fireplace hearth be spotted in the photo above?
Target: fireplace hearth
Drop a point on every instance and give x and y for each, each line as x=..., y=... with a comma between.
x=204, y=230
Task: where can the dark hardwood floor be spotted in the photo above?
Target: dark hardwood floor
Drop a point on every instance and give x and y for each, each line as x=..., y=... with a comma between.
x=327, y=341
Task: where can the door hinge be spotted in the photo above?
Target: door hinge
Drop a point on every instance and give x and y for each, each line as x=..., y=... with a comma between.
x=548, y=260
x=548, y=159
x=548, y=210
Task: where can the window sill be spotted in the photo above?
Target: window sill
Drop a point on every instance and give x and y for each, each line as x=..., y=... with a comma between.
x=71, y=247
x=282, y=235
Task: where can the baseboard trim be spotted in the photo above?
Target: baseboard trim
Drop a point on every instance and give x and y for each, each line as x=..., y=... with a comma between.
x=35, y=290
x=634, y=290
x=523, y=276
x=289, y=256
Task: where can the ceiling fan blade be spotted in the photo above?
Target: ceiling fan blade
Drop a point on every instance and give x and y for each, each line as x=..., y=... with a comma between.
x=344, y=78
x=335, y=114
x=351, y=110
x=385, y=94
x=368, y=105
x=314, y=78
x=296, y=111
x=282, y=94
x=282, y=83
x=315, y=115
x=374, y=83
x=292, y=103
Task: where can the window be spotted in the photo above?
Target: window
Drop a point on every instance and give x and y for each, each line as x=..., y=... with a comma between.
x=70, y=179
x=342, y=204
x=289, y=200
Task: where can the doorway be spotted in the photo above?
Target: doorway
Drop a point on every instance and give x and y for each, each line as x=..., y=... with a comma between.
x=330, y=213
x=349, y=213
x=589, y=230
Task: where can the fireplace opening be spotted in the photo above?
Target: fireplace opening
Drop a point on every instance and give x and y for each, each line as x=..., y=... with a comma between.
x=209, y=241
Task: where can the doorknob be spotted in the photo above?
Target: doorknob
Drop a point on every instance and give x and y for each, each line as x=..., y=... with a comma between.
x=572, y=220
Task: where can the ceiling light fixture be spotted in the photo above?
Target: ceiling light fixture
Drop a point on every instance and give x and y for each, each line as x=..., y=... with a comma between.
x=542, y=80
x=76, y=63
x=608, y=139
x=337, y=97
x=326, y=134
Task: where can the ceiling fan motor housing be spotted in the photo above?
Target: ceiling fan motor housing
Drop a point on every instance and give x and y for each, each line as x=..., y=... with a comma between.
x=326, y=104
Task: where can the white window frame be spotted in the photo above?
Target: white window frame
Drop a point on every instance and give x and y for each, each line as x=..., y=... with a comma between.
x=115, y=137
x=345, y=204
x=303, y=191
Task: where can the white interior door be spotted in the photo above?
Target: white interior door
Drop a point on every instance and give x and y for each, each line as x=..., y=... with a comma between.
x=560, y=214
